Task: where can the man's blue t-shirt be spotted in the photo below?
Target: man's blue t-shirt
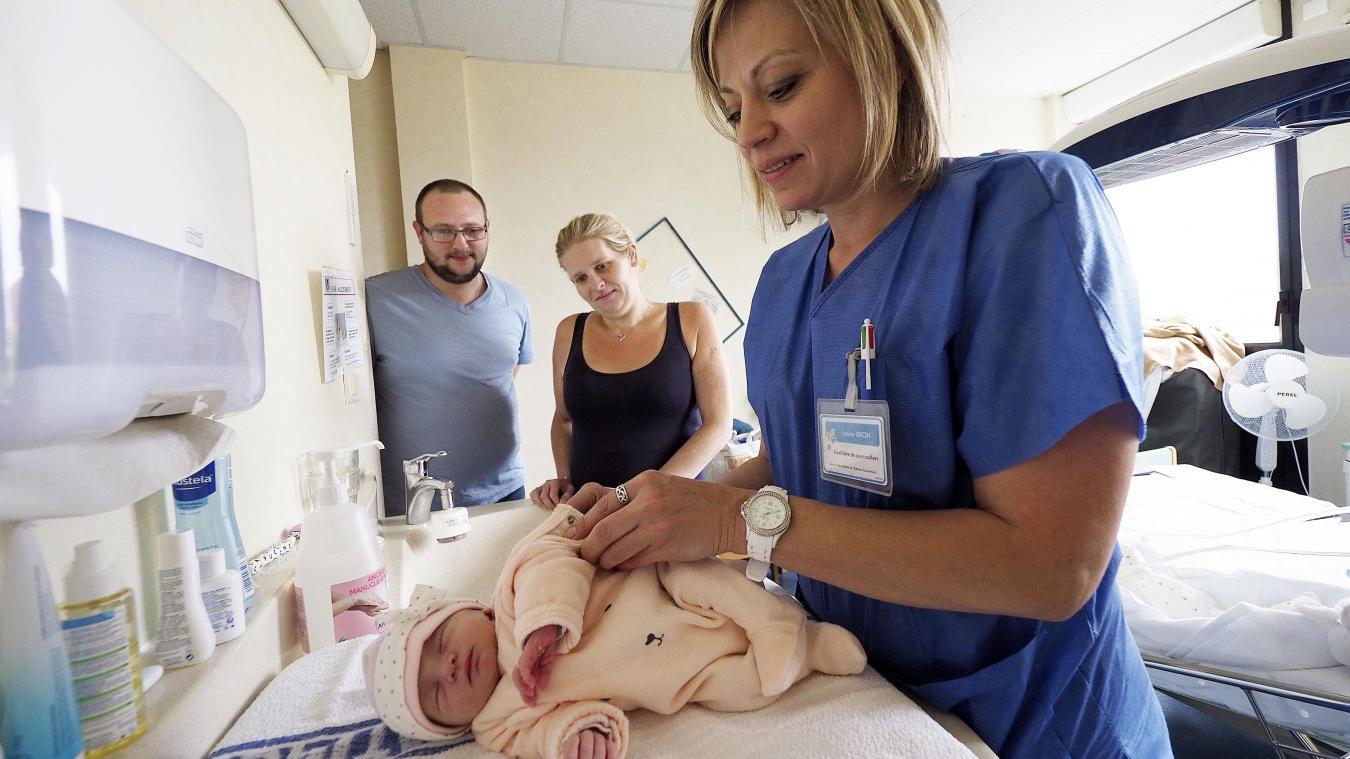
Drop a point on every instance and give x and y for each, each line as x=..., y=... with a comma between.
x=443, y=381
x=1005, y=315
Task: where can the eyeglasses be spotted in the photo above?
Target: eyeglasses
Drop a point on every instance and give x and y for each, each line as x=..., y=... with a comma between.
x=448, y=234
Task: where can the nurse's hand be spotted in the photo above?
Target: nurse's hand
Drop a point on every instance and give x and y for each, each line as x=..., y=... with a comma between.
x=667, y=518
x=552, y=493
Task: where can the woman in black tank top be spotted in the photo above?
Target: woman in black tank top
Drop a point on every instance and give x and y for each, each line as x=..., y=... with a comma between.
x=637, y=385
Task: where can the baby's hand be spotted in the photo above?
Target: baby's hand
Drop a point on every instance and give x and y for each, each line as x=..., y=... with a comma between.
x=590, y=744
x=536, y=663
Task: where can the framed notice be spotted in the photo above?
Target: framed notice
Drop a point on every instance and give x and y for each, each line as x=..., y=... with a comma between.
x=674, y=273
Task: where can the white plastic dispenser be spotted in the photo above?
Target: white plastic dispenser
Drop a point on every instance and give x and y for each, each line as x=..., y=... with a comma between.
x=37, y=702
x=127, y=250
x=340, y=580
x=185, y=636
x=222, y=594
x=323, y=471
x=99, y=626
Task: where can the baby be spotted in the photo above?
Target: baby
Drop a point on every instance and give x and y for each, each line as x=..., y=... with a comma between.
x=584, y=645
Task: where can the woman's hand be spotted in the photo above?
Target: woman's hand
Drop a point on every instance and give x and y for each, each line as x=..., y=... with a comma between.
x=552, y=493
x=532, y=672
x=590, y=744
x=667, y=518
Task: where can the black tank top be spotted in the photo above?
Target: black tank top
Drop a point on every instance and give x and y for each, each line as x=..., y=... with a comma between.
x=627, y=423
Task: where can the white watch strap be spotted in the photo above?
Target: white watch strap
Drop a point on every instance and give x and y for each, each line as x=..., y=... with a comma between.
x=760, y=549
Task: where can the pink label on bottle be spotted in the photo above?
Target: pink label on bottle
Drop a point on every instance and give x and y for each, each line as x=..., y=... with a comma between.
x=356, y=603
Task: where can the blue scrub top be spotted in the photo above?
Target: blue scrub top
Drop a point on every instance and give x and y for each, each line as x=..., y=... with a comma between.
x=1005, y=315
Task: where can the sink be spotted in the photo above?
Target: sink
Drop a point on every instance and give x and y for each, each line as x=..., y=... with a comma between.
x=468, y=565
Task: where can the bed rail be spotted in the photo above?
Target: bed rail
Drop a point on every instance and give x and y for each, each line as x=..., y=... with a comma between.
x=1296, y=722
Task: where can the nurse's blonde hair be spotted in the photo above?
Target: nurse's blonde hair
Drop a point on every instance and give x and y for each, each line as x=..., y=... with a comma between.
x=594, y=226
x=897, y=51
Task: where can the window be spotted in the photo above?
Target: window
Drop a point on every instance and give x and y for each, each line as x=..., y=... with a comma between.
x=1205, y=244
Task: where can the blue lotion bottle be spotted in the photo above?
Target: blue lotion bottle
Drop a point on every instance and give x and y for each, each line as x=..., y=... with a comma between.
x=204, y=503
x=38, y=717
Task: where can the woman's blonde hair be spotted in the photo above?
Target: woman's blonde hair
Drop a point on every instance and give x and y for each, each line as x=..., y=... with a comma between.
x=592, y=226
x=897, y=51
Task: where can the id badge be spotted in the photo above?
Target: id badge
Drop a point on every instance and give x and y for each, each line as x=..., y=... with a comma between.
x=855, y=446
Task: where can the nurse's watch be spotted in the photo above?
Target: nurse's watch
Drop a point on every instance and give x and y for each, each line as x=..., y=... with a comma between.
x=767, y=515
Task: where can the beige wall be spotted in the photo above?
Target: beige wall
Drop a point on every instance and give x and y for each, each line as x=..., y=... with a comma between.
x=377, y=172
x=431, y=123
x=548, y=142
x=299, y=134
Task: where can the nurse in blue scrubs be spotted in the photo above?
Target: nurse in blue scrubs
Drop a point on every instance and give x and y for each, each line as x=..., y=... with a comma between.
x=959, y=515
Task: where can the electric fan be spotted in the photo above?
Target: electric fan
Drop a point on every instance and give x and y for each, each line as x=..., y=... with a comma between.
x=1274, y=396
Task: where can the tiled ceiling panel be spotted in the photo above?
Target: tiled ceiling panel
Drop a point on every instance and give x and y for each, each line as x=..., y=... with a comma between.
x=627, y=35
x=395, y=22
x=1026, y=48
x=512, y=30
x=1046, y=47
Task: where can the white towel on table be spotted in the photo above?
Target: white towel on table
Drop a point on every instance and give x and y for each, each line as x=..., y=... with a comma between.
x=318, y=707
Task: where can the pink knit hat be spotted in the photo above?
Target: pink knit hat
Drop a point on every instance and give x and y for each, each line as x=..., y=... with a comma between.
x=391, y=662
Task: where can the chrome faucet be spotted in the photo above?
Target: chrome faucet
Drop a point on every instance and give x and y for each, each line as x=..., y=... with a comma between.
x=419, y=488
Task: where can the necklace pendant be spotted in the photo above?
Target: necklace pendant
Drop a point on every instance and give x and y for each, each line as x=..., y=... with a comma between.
x=621, y=336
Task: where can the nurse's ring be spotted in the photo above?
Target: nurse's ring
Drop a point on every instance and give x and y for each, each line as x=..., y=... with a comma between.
x=621, y=493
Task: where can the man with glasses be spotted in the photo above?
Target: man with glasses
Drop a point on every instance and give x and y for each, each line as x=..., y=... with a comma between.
x=448, y=340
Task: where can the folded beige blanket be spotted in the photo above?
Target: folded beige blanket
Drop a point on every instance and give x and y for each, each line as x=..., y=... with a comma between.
x=1178, y=344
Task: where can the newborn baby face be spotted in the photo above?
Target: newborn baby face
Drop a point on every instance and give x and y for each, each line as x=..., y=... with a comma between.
x=458, y=670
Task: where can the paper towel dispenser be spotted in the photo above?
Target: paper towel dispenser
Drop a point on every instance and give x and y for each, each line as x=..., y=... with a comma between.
x=128, y=263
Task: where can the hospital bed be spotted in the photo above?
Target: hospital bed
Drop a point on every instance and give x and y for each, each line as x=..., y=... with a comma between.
x=318, y=706
x=1230, y=590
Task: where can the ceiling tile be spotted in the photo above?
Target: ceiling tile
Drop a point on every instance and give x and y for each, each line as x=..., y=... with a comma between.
x=1042, y=70
x=513, y=30
x=1021, y=20
x=627, y=35
x=1011, y=47
x=394, y=22
x=690, y=4
x=953, y=9
x=972, y=58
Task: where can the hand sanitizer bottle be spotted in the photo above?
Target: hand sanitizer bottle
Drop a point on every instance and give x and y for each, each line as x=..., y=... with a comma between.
x=340, y=580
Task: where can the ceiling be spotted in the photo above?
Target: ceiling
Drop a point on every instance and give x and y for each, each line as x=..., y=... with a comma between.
x=1029, y=48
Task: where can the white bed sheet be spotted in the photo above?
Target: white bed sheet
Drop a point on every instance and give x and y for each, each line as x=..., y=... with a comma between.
x=1265, y=614
x=318, y=707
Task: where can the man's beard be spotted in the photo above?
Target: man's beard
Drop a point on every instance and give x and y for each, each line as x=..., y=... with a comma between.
x=446, y=273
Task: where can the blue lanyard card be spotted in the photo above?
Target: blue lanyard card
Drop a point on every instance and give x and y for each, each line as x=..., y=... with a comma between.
x=854, y=443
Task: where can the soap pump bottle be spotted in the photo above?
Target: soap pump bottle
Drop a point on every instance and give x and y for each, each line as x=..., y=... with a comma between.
x=340, y=579
x=320, y=470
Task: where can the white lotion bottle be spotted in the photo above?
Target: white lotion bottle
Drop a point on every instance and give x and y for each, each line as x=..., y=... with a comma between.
x=185, y=636
x=223, y=595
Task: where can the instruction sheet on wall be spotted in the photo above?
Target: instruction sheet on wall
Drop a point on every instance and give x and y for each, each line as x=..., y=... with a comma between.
x=343, y=334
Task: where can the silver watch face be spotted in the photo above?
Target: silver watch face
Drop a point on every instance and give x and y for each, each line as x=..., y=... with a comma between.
x=767, y=513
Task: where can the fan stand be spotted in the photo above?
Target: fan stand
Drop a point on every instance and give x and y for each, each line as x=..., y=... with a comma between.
x=1266, y=448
